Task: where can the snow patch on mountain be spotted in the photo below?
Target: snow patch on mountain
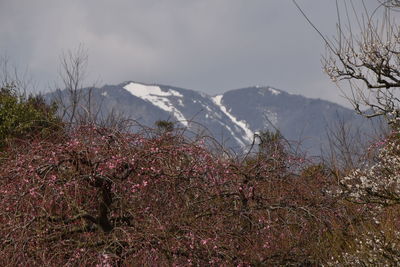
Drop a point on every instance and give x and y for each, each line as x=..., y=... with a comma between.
x=241, y=124
x=274, y=91
x=158, y=97
x=263, y=89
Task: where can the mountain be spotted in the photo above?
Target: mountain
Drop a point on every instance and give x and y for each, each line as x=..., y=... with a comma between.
x=231, y=118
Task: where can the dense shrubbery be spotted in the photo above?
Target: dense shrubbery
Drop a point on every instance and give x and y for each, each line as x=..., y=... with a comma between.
x=22, y=117
x=104, y=197
x=97, y=196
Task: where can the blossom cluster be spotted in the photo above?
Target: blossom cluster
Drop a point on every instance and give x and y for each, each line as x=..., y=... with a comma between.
x=379, y=181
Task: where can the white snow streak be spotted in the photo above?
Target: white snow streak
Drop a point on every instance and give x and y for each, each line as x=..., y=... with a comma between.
x=157, y=97
x=242, y=125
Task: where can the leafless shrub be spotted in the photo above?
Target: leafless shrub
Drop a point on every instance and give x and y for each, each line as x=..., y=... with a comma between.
x=75, y=101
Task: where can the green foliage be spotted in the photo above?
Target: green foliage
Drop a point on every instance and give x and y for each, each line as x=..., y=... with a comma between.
x=164, y=126
x=271, y=144
x=22, y=117
x=269, y=139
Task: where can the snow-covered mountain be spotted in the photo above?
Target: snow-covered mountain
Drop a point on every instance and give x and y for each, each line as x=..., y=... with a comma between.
x=231, y=118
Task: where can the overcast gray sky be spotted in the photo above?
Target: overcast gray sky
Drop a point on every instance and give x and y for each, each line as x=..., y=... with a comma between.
x=205, y=45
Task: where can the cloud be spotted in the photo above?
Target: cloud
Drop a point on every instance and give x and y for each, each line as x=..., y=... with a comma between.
x=208, y=45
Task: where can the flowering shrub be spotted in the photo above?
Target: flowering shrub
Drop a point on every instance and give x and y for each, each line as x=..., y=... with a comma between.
x=376, y=190
x=379, y=181
x=105, y=198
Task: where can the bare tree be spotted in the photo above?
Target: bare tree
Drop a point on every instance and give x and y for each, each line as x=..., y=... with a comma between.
x=76, y=102
x=367, y=55
x=72, y=73
x=391, y=3
x=10, y=76
x=348, y=144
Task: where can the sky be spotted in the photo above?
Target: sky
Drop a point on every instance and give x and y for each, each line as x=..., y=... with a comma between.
x=206, y=45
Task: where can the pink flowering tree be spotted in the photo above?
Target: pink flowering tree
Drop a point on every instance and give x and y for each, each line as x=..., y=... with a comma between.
x=106, y=198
